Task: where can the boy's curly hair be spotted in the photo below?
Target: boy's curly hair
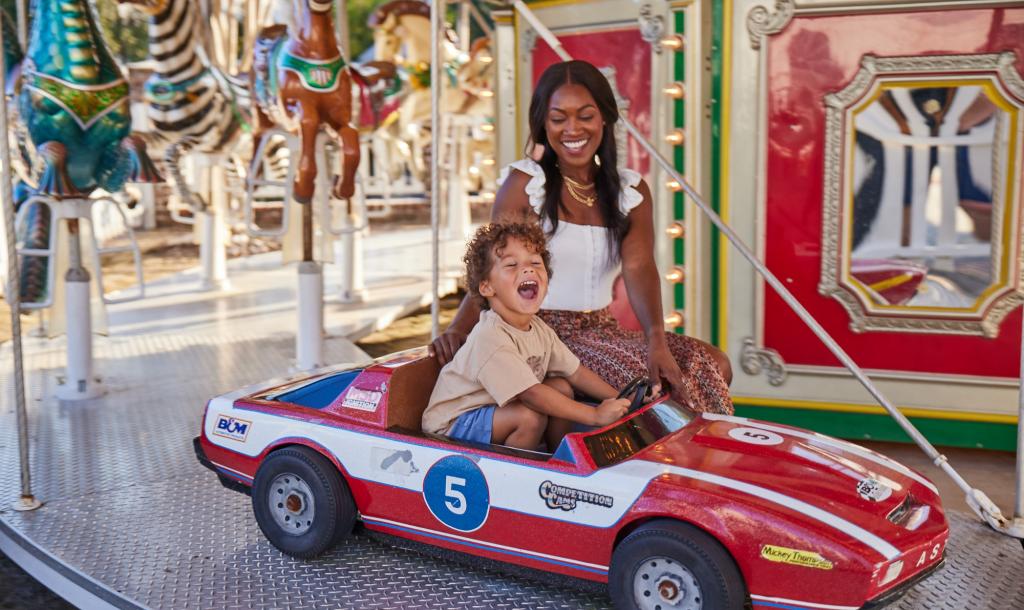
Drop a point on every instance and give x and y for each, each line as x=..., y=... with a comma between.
x=494, y=236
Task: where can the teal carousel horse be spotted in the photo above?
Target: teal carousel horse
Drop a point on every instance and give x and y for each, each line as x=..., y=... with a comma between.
x=74, y=103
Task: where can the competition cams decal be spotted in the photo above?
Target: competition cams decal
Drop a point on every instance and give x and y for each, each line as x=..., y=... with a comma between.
x=807, y=559
x=565, y=498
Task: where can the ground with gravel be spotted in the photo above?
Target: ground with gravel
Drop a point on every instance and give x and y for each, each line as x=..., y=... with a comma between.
x=19, y=591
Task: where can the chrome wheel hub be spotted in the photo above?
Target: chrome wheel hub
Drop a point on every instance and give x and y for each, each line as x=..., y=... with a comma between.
x=291, y=504
x=661, y=583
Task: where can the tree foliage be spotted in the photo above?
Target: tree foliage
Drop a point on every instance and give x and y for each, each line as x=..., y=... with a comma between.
x=128, y=39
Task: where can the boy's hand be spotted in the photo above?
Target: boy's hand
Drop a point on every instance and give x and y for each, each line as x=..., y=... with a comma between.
x=610, y=410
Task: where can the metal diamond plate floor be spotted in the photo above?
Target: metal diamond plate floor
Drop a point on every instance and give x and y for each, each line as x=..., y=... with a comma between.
x=128, y=506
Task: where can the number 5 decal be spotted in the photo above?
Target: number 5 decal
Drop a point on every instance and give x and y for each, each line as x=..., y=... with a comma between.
x=755, y=436
x=456, y=493
x=458, y=505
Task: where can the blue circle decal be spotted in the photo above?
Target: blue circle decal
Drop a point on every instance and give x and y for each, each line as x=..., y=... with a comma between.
x=456, y=493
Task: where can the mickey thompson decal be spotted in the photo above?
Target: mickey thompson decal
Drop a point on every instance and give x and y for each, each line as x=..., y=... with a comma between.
x=565, y=498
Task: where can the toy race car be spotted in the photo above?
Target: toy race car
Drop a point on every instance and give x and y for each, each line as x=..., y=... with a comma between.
x=673, y=510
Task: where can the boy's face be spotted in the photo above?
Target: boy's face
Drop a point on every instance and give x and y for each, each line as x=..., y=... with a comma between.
x=517, y=283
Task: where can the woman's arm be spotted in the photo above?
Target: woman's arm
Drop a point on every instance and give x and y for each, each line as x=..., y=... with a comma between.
x=511, y=202
x=644, y=288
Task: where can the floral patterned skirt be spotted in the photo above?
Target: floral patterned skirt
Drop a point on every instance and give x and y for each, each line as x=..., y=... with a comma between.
x=618, y=355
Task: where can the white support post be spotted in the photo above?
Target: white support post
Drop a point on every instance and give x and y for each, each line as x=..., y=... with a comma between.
x=147, y=199
x=455, y=195
x=80, y=383
x=309, y=340
x=213, y=229
x=353, y=281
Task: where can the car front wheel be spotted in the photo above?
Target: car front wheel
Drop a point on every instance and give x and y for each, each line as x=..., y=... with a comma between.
x=668, y=565
x=301, y=502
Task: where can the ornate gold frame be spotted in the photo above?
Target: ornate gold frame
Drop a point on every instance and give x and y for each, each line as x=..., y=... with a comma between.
x=835, y=280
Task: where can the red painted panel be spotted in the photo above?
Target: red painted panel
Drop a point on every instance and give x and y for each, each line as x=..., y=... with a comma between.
x=623, y=50
x=815, y=56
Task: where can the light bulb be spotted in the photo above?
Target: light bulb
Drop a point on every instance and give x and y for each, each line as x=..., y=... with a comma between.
x=673, y=185
x=676, y=230
x=676, y=137
x=676, y=275
x=676, y=90
x=674, y=319
x=674, y=42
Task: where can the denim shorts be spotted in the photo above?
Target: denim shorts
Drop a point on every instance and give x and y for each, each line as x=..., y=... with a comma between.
x=475, y=426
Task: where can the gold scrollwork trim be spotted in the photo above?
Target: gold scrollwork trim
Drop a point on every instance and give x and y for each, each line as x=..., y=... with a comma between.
x=830, y=284
x=762, y=22
x=754, y=360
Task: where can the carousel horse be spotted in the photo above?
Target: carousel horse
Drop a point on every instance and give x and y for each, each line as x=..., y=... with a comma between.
x=74, y=103
x=73, y=110
x=196, y=108
x=301, y=83
x=405, y=24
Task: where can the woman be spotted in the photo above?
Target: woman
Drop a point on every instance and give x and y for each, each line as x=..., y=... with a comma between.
x=596, y=217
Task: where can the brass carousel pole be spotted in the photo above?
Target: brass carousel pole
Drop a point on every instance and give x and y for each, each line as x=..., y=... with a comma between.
x=26, y=501
x=436, y=16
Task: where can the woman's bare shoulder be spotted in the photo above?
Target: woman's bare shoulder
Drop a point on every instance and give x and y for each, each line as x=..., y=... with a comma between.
x=511, y=199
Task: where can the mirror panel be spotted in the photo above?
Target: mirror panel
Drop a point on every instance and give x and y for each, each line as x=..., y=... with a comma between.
x=922, y=194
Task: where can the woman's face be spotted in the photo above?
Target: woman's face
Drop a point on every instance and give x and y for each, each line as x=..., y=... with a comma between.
x=574, y=125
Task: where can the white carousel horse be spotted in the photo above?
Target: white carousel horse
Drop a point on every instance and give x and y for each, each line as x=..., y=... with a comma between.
x=402, y=36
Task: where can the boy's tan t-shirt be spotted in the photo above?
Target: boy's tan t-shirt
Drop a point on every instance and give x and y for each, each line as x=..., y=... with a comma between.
x=496, y=364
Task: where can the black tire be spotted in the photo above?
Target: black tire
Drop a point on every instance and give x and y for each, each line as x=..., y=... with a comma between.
x=295, y=483
x=673, y=549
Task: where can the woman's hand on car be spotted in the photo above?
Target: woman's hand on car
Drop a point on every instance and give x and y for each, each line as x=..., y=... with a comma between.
x=446, y=344
x=662, y=366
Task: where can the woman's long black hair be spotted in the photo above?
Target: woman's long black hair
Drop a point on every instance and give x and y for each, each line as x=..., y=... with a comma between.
x=607, y=183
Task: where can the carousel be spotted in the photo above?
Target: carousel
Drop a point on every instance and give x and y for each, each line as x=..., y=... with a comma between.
x=836, y=186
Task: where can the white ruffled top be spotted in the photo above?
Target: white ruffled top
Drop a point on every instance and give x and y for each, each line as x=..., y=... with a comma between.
x=582, y=269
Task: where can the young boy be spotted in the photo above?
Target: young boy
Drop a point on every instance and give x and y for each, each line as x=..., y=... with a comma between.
x=512, y=382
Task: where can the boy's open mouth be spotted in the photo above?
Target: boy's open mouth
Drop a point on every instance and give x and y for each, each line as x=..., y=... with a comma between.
x=529, y=289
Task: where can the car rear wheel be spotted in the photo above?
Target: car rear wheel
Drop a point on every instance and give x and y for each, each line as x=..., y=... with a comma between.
x=301, y=502
x=668, y=565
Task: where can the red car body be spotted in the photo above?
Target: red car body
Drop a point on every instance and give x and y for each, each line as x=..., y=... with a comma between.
x=810, y=521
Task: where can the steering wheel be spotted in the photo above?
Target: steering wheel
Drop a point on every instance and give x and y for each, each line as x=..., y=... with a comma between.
x=638, y=387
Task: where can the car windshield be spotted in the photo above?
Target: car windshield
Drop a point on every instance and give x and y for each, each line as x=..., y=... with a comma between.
x=642, y=430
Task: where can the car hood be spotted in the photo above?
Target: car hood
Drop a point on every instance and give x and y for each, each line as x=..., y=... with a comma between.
x=852, y=482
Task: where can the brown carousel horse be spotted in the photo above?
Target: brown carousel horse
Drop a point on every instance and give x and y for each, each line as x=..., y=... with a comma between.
x=302, y=83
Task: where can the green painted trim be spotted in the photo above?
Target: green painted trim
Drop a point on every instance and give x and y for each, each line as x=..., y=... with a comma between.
x=881, y=427
x=678, y=154
x=679, y=160
x=717, y=33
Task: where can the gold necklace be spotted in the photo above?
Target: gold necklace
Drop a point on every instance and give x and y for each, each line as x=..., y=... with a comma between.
x=575, y=190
